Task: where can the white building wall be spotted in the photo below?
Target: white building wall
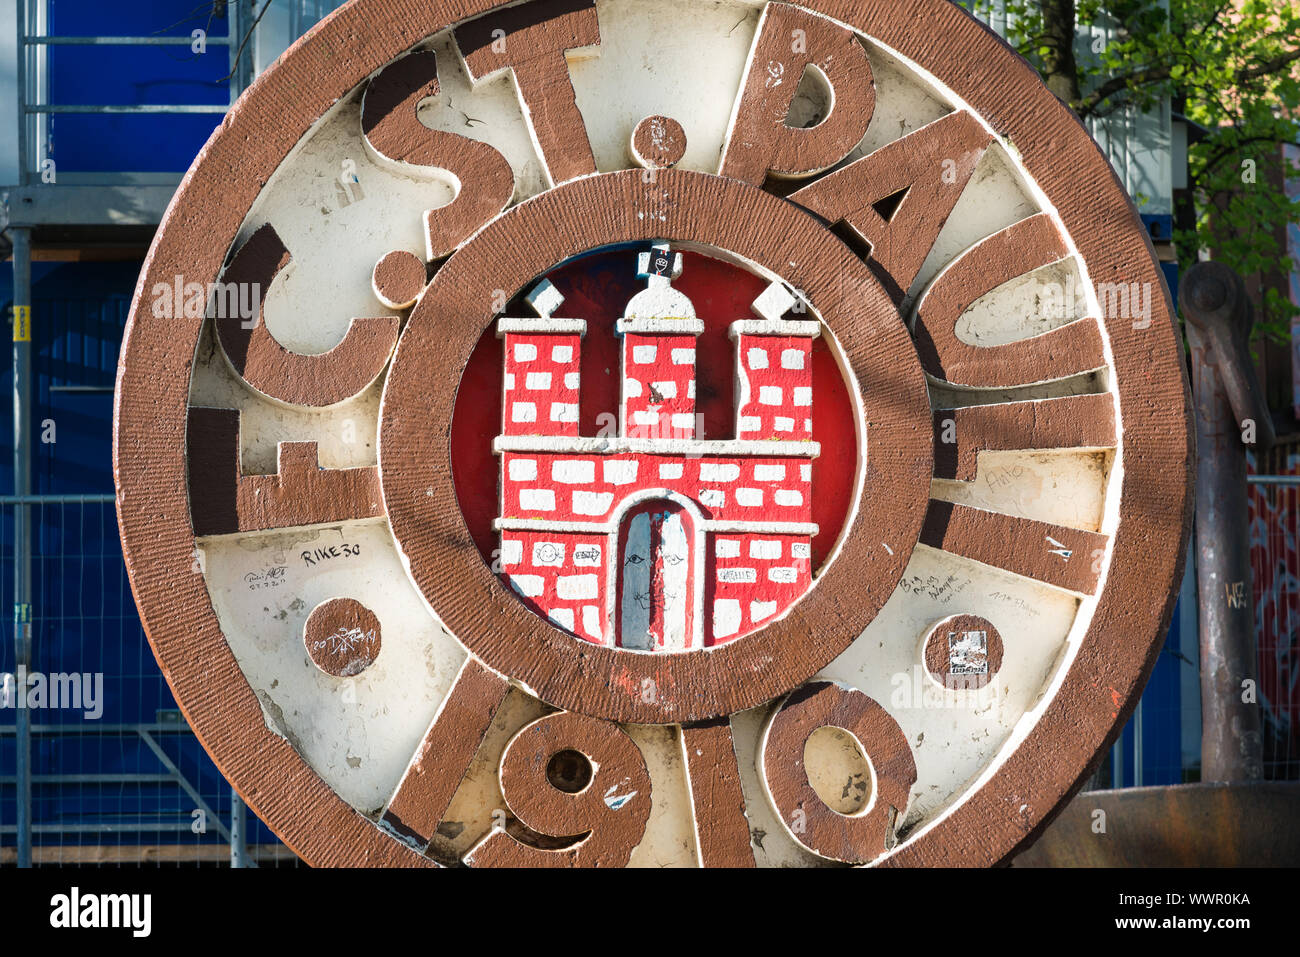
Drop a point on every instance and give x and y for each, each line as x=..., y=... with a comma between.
x=1137, y=142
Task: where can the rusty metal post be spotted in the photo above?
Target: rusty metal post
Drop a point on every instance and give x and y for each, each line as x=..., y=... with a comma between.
x=1230, y=413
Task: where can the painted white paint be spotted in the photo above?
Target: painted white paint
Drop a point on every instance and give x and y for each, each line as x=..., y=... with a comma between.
x=587, y=556
x=549, y=554
x=615, y=445
x=712, y=497
x=575, y=327
x=719, y=472
x=620, y=472
x=592, y=503
x=522, y=470
x=537, y=499
x=530, y=586
x=737, y=575
x=577, y=587
x=726, y=617
x=728, y=526
x=573, y=471
x=564, y=412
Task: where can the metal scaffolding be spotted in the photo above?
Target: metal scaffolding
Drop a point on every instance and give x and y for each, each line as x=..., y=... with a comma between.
x=95, y=209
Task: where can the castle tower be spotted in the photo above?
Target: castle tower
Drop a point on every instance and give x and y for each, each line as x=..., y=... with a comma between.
x=658, y=329
x=541, y=368
x=774, y=370
x=556, y=573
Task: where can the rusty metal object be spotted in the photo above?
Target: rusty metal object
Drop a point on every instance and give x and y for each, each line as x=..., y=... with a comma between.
x=1188, y=825
x=1229, y=411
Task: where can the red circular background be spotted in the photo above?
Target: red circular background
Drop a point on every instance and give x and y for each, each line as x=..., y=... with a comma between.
x=596, y=287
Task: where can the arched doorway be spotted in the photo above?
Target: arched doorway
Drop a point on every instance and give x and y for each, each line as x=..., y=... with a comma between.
x=654, y=604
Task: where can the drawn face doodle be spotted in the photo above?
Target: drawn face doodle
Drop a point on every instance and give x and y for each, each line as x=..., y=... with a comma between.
x=716, y=440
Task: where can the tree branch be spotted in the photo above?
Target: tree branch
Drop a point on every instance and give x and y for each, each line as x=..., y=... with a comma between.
x=1220, y=155
x=1087, y=105
x=243, y=41
x=1267, y=67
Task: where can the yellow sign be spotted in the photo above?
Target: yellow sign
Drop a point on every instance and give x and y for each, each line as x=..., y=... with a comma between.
x=22, y=323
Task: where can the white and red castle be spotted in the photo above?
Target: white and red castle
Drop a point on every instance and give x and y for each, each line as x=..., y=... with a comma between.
x=654, y=540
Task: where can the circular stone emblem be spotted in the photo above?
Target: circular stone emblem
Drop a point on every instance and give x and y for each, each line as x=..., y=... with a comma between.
x=728, y=425
x=342, y=637
x=963, y=652
x=631, y=540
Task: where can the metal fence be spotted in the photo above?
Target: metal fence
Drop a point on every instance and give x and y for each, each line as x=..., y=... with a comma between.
x=1161, y=743
x=121, y=779
x=97, y=765
x=1275, y=578
x=212, y=49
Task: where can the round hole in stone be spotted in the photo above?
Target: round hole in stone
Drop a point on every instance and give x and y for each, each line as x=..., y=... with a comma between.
x=838, y=770
x=568, y=771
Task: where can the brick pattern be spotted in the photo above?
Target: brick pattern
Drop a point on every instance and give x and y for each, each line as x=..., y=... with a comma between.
x=753, y=579
x=658, y=386
x=776, y=393
x=541, y=384
x=565, y=487
x=560, y=576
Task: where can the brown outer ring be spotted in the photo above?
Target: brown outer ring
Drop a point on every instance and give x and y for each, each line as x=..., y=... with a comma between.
x=415, y=446
x=204, y=217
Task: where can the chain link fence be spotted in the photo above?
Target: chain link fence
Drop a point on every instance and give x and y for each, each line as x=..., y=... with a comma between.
x=116, y=776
